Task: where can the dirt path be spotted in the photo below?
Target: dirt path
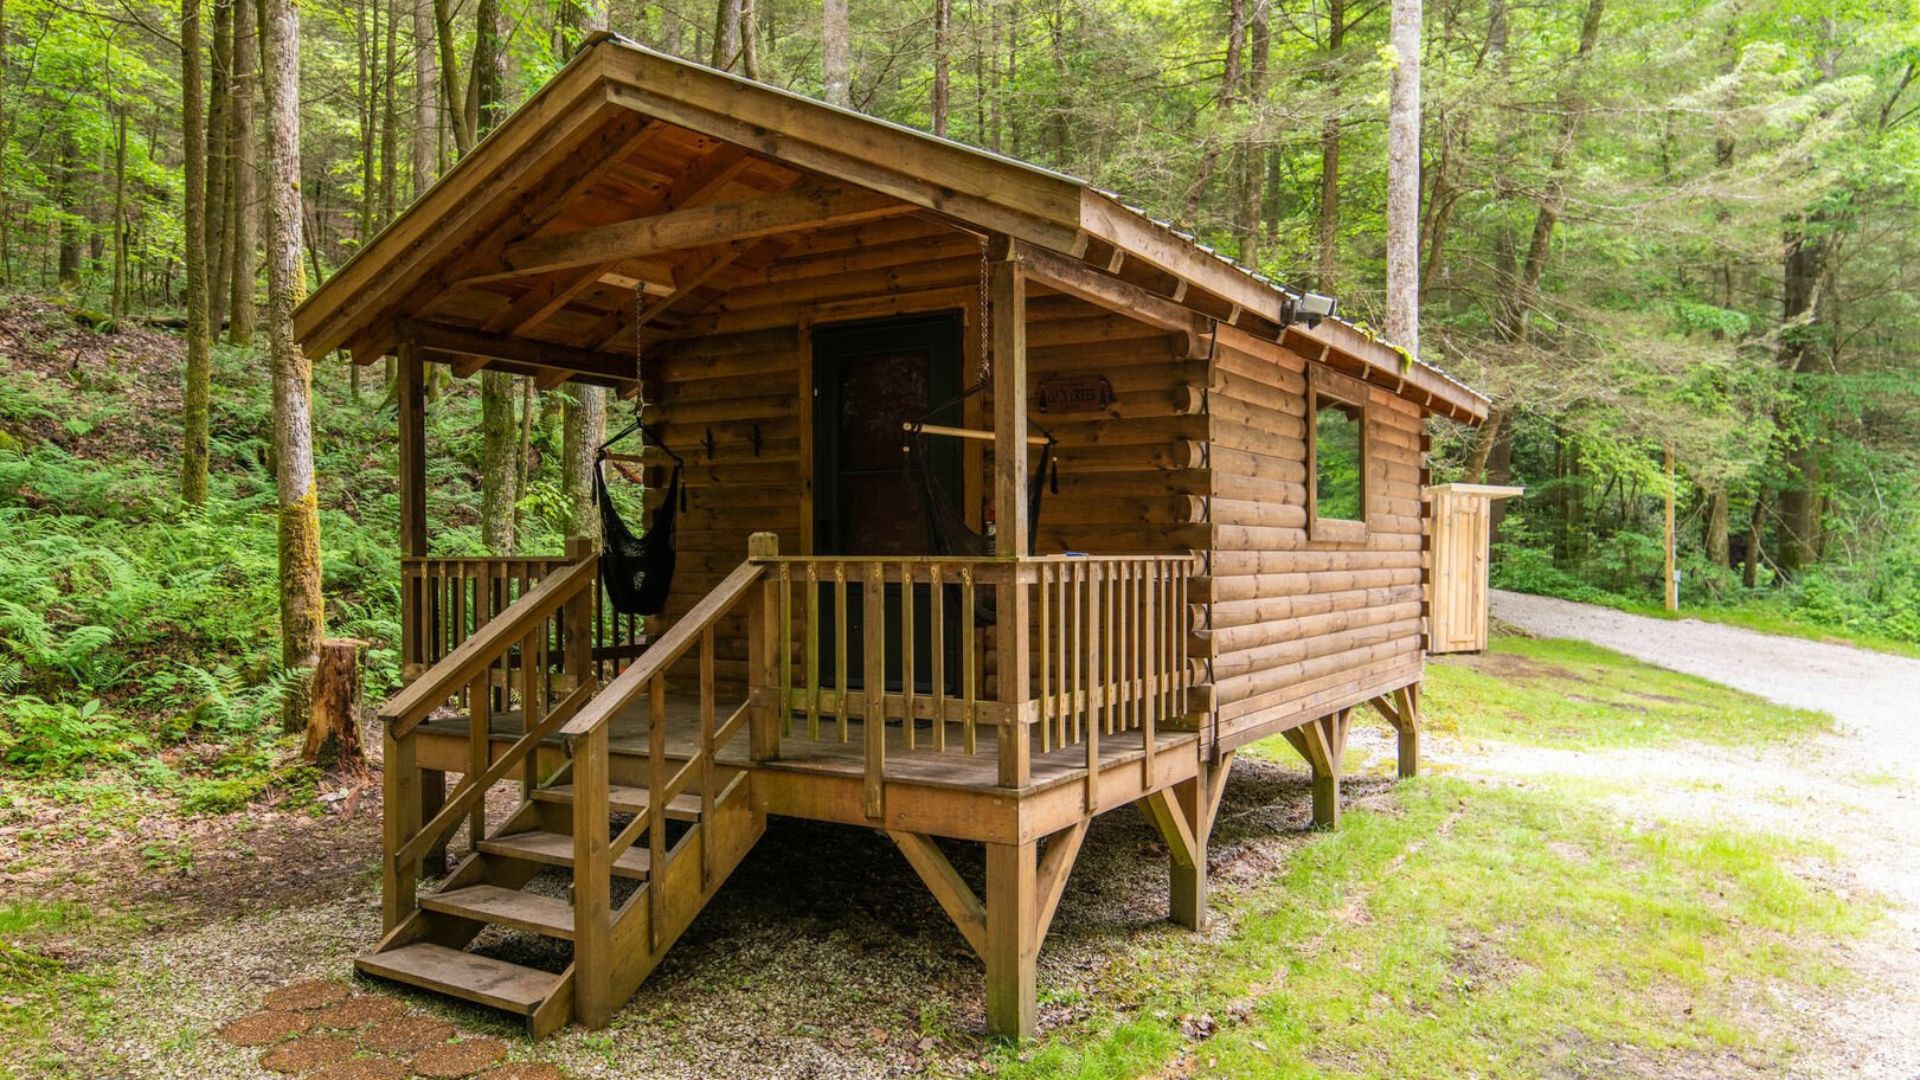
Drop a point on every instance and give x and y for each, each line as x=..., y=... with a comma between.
x=1855, y=790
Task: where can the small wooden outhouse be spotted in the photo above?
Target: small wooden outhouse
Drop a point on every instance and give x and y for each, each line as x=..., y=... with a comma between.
x=999, y=505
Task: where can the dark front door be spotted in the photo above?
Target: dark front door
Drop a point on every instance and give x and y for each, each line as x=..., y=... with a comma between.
x=868, y=379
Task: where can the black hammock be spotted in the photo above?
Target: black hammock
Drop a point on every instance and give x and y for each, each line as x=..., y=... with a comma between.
x=947, y=524
x=636, y=572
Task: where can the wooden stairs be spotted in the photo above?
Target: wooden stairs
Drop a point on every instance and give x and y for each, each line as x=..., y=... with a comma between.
x=676, y=849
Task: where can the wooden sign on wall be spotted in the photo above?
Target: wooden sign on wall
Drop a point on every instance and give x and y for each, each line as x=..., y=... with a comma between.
x=1074, y=394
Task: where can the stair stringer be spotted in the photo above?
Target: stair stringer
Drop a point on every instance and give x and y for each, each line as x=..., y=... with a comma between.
x=737, y=823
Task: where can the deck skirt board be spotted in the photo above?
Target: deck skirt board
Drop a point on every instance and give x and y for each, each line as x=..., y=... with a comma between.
x=506, y=907
x=556, y=849
x=476, y=978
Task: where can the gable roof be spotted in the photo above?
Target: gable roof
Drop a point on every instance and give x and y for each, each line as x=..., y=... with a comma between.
x=615, y=94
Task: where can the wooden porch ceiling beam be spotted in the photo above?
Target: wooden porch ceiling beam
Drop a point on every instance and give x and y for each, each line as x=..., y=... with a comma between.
x=706, y=178
x=809, y=206
x=529, y=357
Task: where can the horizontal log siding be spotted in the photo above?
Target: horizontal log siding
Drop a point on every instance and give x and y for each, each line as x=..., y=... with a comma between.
x=1289, y=628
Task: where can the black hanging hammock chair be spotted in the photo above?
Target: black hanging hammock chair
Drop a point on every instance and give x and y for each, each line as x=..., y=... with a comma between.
x=636, y=572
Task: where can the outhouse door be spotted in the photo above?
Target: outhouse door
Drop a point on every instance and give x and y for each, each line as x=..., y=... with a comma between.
x=1457, y=592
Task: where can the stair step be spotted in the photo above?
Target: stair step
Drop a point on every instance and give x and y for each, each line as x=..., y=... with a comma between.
x=556, y=849
x=626, y=800
x=476, y=978
x=507, y=907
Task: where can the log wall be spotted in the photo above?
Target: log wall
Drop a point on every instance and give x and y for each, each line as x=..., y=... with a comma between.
x=1290, y=627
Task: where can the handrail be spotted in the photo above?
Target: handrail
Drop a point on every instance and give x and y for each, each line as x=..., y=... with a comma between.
x=470, y=657
x=673, y=645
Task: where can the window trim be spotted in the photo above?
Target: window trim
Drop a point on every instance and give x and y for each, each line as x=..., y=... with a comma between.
x=1325, y=382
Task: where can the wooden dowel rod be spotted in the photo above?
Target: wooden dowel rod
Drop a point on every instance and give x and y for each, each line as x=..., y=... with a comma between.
x=966, y=433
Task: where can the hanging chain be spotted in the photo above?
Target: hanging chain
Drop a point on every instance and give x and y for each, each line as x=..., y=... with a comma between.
x=984, y=312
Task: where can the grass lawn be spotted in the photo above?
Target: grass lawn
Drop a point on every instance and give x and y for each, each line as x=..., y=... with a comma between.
x=1572, y=695
x=1465, y=928
x=1772, y=620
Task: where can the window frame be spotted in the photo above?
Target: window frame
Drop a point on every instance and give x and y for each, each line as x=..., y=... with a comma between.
x=1325, y=382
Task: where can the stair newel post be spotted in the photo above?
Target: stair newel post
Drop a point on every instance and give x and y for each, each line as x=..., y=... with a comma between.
x=706, y=756
x=763, y=648
x=592, y=881
x=399, y=821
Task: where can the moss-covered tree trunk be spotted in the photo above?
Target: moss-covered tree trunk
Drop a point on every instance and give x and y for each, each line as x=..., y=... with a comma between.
x=199, y=376
x=302, y=618
x=583, y=429
x=245, y=188
x=499, y=464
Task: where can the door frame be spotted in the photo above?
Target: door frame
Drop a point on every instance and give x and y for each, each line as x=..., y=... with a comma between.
x=966, y=301
x=945, y=332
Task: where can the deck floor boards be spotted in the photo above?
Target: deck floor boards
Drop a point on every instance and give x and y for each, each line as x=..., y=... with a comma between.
x=831, y=756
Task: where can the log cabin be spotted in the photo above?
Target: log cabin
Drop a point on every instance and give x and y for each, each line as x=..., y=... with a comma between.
x=993, y=505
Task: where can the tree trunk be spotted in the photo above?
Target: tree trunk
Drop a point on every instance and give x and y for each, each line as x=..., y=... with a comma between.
x=366, y=52
x=498, y=465
x=1252, y=157
x=302, y=613
x=583, y=428
x=487, y=84
x=1756, y=535
x=835, y=53
x=333, y=726
x=390, y=117
x=119, y=306
x=220, y=176
x=1717, y=542
x=460, y=119
x=523, y=456
x=1803, y=343
x=726, y=34
x=1329, y=230
x=426, y=100
x=65, y=172
x=942, y=61
x=1403, y=180
x=199, y=374
x=1554, y=200
x=246, y=173
x=749, y=40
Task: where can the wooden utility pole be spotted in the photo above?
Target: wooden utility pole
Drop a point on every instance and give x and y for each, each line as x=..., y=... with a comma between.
x=1673, y=584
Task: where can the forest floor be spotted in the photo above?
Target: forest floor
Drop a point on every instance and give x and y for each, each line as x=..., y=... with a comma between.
x=1609, y=870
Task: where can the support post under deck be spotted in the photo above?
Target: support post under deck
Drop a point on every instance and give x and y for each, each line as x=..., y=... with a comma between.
x=1013, y=938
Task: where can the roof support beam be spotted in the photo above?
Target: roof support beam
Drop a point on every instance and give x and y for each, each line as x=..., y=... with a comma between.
x=809, y=206
x=520, y=355
x=1076, y=278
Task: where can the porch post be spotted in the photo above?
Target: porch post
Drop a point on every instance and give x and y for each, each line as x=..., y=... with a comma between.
x=1007, y=292
x=1007, y=288
x=411, y=398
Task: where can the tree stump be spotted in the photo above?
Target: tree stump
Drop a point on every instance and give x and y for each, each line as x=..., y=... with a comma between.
x=333, y=722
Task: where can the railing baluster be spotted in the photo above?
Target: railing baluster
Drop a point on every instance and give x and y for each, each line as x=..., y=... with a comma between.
x=813, y=651
x=874, y=725
x=840, y=646
x=479, y=748
x=1046, y=701
x=938, y=641
x=1147, y=677
x=785, y=616
x=970, y=634
x=706, y=757
x=657, y=810
x=1093, y=686
x=908, y=723
x=531, y=707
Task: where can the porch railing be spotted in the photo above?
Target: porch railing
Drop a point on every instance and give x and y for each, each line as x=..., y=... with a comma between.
x=445, y=601
x=1049, y=653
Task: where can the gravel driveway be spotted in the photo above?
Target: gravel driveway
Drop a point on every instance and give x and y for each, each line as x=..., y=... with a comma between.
x=1855, y=790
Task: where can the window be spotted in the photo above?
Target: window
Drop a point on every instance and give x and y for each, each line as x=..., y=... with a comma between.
x=1337, y=458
